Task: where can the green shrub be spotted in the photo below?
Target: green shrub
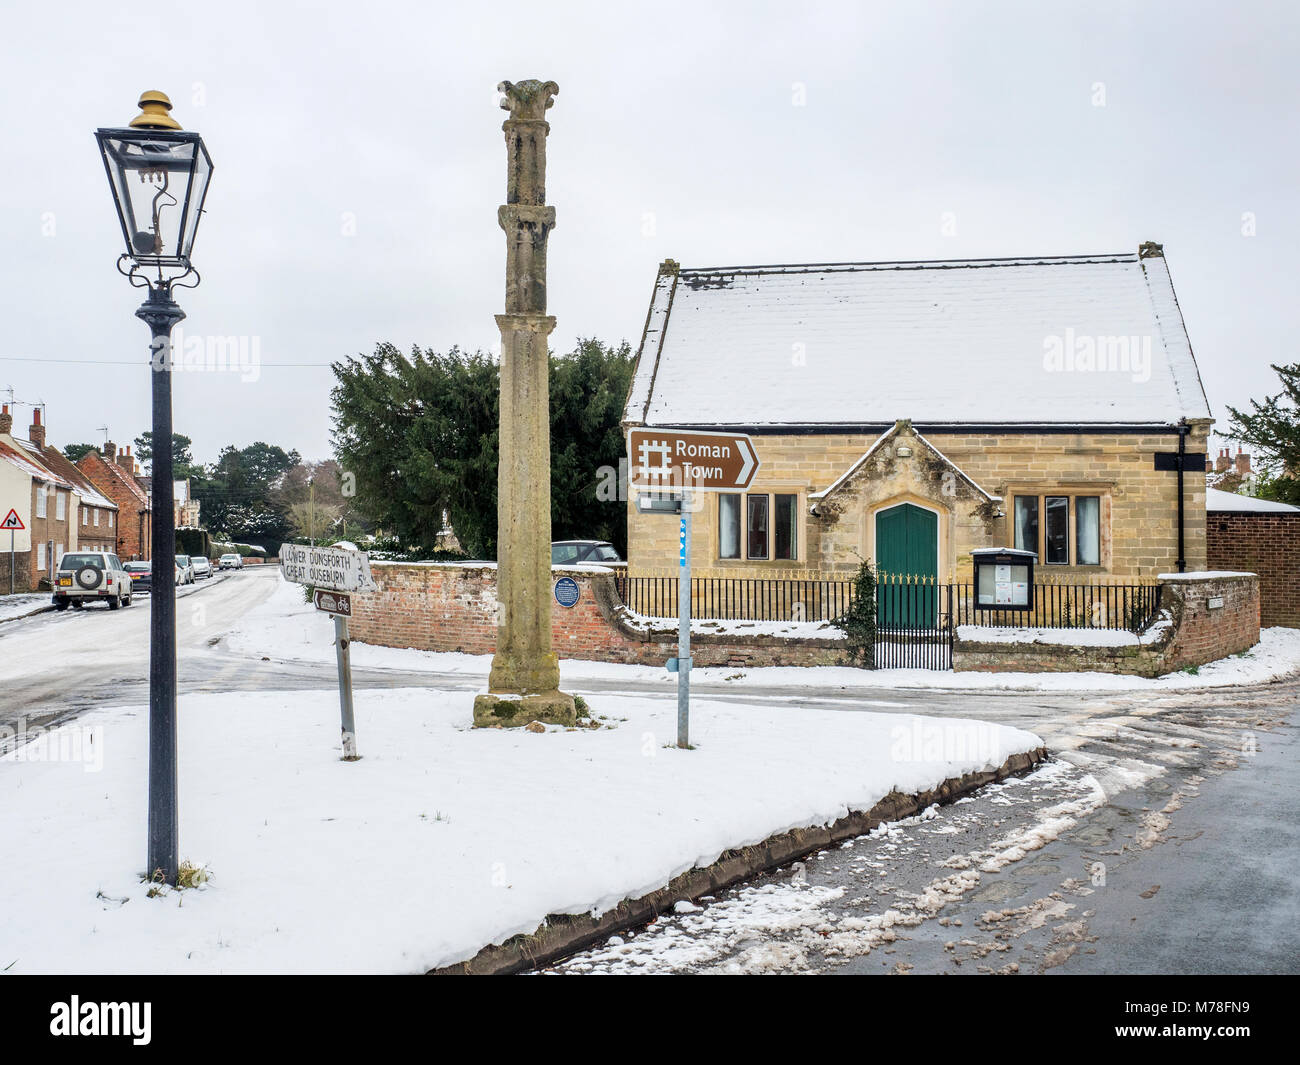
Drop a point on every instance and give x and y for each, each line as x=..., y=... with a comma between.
x=859, y=624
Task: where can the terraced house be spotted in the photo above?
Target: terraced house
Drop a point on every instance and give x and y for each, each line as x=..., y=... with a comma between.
x=912, y=412
x=59, y=509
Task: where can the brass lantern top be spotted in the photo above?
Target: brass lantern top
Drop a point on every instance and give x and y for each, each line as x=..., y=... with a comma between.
x=153, y=114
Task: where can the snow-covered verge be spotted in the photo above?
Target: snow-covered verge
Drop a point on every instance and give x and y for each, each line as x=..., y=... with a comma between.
x=286, y=628
x=20, y=605
x=1064, y=637
x=441, y=840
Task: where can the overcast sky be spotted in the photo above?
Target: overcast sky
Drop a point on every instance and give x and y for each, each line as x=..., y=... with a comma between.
x=710, y=133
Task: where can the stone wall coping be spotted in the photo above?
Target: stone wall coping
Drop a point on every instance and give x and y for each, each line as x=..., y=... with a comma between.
x=435, y=565
x=1204, y=575
x=469, y=564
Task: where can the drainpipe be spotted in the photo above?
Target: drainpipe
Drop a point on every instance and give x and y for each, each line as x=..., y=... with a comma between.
x=1182, y=456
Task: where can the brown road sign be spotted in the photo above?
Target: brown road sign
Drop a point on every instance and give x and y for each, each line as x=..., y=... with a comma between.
x=681, y=458
x=332, y=602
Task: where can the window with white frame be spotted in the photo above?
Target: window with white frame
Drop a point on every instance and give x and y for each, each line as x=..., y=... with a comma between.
x=766, y=524
x=728, y=526
x=96, y=517
x=85, y=515
x=40, y=501
x=1062, y=528
x=40, y=556
x=110, y=519
x=60, y=506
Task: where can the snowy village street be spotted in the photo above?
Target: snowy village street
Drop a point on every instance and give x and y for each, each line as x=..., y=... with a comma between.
x=1160, y=834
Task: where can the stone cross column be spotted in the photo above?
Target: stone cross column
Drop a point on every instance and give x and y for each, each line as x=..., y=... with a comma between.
x=525, y=678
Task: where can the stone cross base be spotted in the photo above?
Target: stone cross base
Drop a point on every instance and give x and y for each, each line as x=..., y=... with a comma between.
x=513, y=711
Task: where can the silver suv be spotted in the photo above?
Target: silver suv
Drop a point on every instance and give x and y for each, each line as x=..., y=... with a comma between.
x=86, y=576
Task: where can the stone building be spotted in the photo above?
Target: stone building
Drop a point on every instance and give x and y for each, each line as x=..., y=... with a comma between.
x=909, y=413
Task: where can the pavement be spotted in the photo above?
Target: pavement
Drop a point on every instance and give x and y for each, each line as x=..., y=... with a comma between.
x=1162, y=836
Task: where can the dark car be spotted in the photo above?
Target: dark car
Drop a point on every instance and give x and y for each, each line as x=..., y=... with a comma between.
x=141, y=575
x=573, y=552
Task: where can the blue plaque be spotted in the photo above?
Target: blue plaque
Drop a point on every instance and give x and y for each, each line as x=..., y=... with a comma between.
x=567, y=592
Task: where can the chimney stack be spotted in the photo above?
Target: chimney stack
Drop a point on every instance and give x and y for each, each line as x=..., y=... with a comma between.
x=37, y=432
x=1243, y=463
x=125, y=460
x=6, y=421
x=110, y=451
x=1222, y=462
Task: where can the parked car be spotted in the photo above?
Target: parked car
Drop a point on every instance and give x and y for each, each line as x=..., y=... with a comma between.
x=230, y=562
x=202, y=566
x=180, y=574
x=141, y=575
x=86, y=576
x=573, y=552
x=187, y=568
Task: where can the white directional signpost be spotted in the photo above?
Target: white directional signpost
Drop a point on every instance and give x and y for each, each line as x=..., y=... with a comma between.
x=334, y=573
x=672, y=464
x=13, y=523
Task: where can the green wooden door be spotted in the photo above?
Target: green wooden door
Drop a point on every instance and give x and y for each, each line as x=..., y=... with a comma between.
x=907, y=546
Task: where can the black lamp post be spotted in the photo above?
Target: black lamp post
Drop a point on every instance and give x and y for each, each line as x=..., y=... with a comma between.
x=159, y=175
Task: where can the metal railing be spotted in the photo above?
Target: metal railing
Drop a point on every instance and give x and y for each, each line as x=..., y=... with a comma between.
x=1068, y=606
x=739, y=598
x=1097, y=604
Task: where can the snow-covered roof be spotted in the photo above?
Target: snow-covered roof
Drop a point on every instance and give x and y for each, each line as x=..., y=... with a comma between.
x=968, y=342
x=59, y=463
x=1218, y=501
x=31, y=464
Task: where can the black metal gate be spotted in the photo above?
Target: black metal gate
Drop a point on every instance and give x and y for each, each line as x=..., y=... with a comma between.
x=914, y=623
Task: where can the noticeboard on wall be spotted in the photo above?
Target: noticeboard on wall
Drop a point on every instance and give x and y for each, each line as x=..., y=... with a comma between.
x=1004, y=579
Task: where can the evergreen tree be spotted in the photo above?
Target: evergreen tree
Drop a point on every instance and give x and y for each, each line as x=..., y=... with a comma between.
x=76, y=452
x=588, y=391
x=182, y=460
x=1272, y=429
x=859, y=623
x=420, y=434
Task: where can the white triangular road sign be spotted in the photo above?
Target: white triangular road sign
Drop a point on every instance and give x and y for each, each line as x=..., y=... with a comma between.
x=12, y=521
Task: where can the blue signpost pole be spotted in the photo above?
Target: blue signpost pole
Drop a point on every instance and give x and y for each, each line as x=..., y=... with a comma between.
x=684, y=626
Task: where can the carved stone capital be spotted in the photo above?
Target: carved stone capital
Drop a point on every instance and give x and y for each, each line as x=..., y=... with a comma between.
x=510, y=215
x=526, y=323
x=527, y=101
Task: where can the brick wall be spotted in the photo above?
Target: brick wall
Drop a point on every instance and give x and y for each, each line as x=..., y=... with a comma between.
x=1267, y=544
x=23, y=578
x=453, y=607
x=1190, y=633
x=133, y=530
